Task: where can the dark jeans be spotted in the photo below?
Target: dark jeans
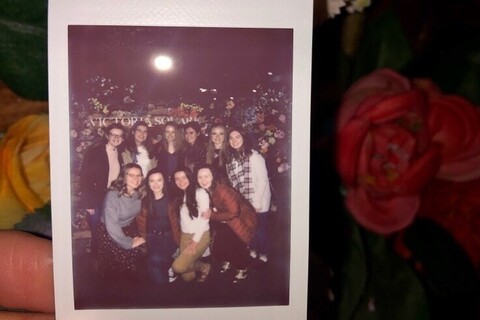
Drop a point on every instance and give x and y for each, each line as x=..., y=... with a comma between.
x=93, y=222
x=227, y=246
x=160, y=248
x=260, y=242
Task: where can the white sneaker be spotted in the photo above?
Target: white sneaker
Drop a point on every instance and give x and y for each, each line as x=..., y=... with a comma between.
x=241, y=275
x=206, y=253
x=253, y=254
x=172, y=276
x=263, y=257
x=176, y=254
x=225, y=267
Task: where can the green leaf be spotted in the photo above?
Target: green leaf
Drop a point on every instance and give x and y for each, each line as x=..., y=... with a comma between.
x=458, y=70
x=393, y=290
x=383, y=45
x=376, y=283
x=23, y=53
x=38, y=223
x=354, y=274
x=470, y=83
x=450, y=278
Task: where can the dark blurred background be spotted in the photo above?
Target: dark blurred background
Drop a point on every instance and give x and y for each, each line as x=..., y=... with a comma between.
x=418, y=38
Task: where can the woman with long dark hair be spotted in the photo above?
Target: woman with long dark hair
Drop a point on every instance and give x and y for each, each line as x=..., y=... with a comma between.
x=247, y=172
x=195, y=147
x=154, y=225
x=191, y=230
x=139, y=147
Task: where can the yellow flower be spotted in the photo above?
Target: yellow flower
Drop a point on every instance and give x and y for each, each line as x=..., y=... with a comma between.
x=334, y=7
x=24, y=169
x=358, y=5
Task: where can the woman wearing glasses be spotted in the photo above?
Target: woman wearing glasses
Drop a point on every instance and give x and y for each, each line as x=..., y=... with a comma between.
x=100, y=166
x=119, y=239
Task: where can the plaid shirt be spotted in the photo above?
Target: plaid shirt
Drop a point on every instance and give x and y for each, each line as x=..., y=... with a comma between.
x=239, y=175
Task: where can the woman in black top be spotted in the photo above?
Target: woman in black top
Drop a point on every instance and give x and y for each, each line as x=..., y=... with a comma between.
x=170, y=152
x=216, y=150
x=195, y=147
x=154, y=225
x=100, y=166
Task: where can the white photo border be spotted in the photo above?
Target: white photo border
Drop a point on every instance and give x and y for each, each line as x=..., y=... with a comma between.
x=296, y=15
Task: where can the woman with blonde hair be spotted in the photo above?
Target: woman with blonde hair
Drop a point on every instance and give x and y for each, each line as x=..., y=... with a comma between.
x=170, y=152
x=216, y=149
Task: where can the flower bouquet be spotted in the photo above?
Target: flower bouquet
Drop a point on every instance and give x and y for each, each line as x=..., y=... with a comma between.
x=398, y=154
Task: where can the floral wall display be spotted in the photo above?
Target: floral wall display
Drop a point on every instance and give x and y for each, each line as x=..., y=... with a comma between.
x=266, y=118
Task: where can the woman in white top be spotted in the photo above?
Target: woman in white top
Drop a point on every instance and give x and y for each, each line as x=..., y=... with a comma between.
x=190, y=230
x=139, y=147
x=247, y=172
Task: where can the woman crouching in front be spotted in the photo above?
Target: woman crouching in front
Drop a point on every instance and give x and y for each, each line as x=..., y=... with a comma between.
x=119, y=239
x=191, y=231
x=235, y=223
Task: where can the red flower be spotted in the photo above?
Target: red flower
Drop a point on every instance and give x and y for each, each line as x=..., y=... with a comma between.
x=385, y=154
x=455, y=124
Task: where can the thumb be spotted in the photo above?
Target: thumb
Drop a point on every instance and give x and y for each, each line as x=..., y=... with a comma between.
x=26, y=276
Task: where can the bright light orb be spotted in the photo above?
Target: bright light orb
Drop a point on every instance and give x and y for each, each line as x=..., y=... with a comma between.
x=163, y=63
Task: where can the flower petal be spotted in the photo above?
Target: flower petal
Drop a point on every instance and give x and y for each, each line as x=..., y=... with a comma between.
x=21, y=149
x=455, y=124
x=349, y=144
x=382, y=215
x=381, y=81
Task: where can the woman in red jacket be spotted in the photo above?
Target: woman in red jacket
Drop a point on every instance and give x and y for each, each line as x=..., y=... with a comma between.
x=234, y=220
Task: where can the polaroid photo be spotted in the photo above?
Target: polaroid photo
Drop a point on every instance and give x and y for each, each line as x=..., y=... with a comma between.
x=180, y=158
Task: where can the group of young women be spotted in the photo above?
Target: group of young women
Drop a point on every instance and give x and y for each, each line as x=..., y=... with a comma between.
x=179, y=203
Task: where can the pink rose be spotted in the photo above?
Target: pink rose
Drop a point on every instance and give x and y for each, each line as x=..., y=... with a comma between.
x=385, y=155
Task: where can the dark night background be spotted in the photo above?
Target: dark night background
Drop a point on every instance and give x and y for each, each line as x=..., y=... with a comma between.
x=231, y=60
